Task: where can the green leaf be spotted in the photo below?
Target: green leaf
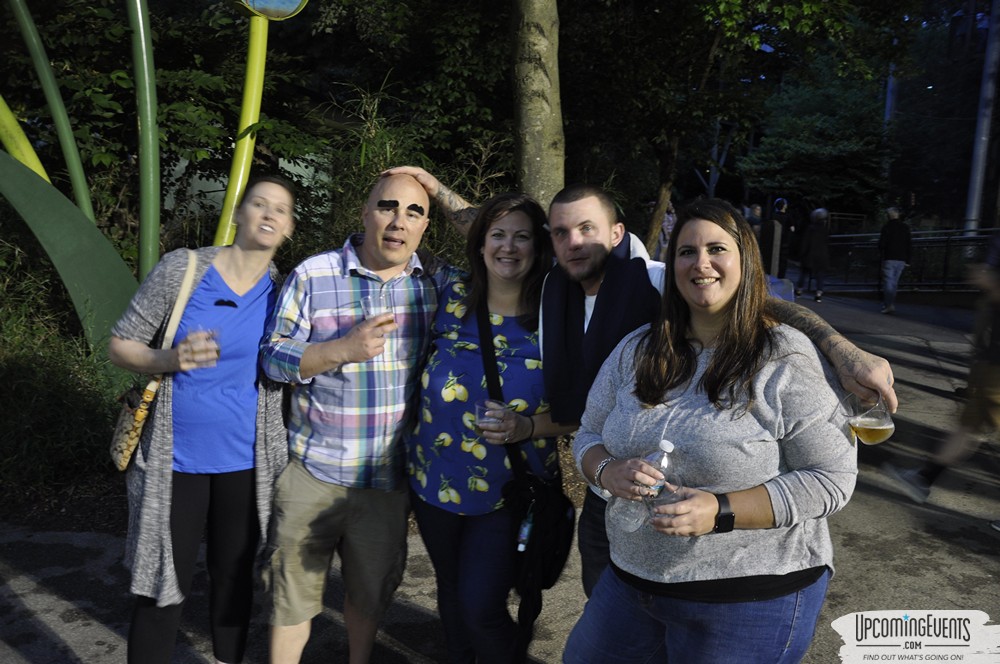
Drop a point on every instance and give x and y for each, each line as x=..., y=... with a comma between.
x=98, y=281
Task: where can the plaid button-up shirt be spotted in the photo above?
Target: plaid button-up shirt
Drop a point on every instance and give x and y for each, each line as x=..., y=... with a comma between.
x=348, y=424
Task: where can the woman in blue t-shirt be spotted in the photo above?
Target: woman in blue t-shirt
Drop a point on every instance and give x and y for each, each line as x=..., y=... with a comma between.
x=215, y=440
x=456, y=474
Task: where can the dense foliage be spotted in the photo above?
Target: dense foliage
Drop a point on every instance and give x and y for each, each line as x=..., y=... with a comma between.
x=822, y=143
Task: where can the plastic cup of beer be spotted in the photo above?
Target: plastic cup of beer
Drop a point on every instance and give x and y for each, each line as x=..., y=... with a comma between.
x=868, y=419
x=376, y=304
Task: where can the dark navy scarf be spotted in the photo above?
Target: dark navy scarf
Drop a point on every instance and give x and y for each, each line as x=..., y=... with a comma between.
x=626, y=301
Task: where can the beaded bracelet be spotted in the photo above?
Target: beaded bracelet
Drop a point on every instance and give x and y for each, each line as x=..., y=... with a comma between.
x=600, y=470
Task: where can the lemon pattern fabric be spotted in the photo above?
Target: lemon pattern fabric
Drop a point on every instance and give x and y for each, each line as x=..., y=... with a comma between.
x=449, y=465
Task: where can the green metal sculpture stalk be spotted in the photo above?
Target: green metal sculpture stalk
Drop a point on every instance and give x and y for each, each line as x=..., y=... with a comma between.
x=46, y=77
x=149, y=137
x=253, y=91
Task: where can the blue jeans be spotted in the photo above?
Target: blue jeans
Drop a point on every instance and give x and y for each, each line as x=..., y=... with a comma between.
x=891, y=271
x=806, y=274
x=473, y=559
x=621, y=624
x=592, y=540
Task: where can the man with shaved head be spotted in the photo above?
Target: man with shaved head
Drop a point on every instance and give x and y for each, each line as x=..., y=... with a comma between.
x=355, y=381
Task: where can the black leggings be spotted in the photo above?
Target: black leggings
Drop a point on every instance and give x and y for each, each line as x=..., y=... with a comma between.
x=227, y=503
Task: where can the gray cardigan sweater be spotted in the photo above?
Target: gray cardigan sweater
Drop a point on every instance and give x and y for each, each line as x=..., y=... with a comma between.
x=786, y=442
x=148, y=550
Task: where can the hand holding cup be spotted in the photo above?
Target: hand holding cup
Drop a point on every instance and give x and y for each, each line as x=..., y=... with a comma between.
x=493, y=421
x=198, y=350
x=376, y=304
x=868, y=419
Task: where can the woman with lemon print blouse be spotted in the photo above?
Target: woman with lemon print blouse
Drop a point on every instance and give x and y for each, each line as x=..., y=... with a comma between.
x=456, y=475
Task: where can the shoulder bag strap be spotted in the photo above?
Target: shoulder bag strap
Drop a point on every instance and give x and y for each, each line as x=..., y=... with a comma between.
x=493, y=387
x=175, y=317
x=182, y=297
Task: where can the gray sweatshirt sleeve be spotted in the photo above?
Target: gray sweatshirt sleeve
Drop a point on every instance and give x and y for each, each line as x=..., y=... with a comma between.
x=819, y=464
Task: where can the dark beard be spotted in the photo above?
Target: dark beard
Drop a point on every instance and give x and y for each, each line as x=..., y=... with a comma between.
x=595, y=268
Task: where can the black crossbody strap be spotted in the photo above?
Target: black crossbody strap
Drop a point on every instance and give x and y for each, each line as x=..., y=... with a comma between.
x=493, y=380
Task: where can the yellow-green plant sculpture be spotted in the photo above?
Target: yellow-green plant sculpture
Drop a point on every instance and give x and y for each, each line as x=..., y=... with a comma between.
x=253, y=91
x=97, y=279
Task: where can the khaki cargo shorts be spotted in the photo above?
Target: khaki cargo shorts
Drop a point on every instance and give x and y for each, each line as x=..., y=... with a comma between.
x=312, y=520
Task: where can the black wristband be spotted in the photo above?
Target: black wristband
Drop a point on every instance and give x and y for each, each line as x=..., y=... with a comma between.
x=725, y=519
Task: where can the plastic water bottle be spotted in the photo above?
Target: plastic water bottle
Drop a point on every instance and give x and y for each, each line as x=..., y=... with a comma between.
x=667, y=489
x=661, y=459
x=631, y=515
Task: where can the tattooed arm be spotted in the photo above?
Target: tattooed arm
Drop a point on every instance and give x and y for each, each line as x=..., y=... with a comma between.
x=860, y=372
x=456, y=209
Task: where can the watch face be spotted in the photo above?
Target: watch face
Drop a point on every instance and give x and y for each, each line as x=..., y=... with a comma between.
x=724, y=522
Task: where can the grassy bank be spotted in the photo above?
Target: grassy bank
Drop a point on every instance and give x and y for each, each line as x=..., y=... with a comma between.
x=58, y=400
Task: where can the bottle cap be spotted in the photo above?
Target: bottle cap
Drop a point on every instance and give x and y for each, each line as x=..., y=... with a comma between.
x=666, y=446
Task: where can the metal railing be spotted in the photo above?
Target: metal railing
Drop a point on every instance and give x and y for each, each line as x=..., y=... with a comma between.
x=938, y=260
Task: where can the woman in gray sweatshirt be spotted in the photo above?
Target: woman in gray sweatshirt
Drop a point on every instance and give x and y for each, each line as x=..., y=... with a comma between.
x=737, y=569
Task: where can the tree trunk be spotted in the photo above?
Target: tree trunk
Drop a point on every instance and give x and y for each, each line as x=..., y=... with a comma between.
x=539, y=141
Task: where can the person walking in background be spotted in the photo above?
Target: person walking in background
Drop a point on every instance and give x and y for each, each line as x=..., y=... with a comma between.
x=894, y=245
x=355, y=383
x=457, y=472
x=216, y=440
x=781, y=221
x=814, y=252
x=737, y=568
x=666, y=227
x=982, y=410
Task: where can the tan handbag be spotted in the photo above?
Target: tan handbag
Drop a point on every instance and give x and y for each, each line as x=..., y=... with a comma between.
x=136, y=402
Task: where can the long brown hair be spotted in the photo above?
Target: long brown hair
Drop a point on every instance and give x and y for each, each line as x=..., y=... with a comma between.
x=665, y=358
x=531, y=289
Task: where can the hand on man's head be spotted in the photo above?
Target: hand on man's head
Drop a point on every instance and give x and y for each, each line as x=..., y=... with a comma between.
x=430, y=183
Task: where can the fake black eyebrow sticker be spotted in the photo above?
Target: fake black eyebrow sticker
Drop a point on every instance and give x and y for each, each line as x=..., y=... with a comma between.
x=391, y=204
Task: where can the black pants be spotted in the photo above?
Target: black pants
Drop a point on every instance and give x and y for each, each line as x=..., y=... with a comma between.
x=226, y=503
x=592, y=540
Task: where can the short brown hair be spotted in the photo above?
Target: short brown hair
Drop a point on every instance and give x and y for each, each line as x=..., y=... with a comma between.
x=577, y=192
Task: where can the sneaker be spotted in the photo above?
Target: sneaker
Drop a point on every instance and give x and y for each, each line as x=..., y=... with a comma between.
x=819, y=296
x=888, y=310
x=995, y=525
x=910, y=481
